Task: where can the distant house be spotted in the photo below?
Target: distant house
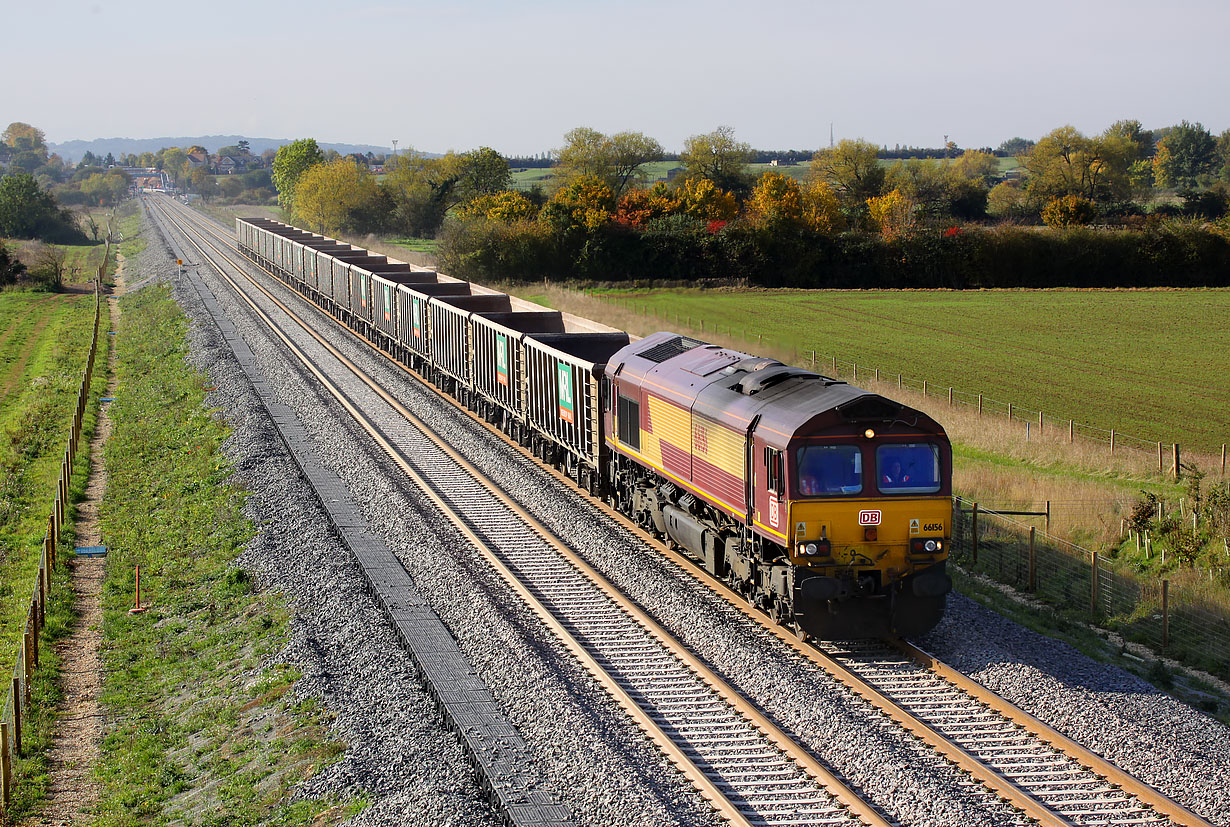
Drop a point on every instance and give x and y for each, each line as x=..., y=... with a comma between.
x=783, y=162
x=198, y=159
x=228, y=164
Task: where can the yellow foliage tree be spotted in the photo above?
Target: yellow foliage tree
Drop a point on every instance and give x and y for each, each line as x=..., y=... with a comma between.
x=584, y=205
x=822, y=208
x=776, y=199
x=326, y=194
x=703, y=199
x=891, y=212
x=506, y=205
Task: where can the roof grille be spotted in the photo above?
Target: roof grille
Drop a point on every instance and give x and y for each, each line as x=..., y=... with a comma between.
x=669, y=349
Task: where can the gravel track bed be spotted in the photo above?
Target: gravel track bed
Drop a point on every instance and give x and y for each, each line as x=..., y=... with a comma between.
x=1162, y=741
x=597, y=761
x=398, y=757
x=898, y=772
x=1181, y=751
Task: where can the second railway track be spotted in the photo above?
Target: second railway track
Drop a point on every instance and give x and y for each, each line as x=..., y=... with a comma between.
x=1046, y=776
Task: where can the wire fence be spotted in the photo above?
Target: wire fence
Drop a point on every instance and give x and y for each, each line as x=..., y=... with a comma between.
x=17, y=704
x=1170, y=618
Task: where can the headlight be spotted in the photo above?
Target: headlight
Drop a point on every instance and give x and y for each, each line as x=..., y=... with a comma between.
x=931, y=546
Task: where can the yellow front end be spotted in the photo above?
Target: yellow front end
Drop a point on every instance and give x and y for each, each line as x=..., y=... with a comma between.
x=867, y=534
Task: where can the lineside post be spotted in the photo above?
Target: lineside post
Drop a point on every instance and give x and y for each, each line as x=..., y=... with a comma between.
x=974, y=533
x=1093, y=588
x=1176, y=468
x=1165, y=613
x=6, y=767
x=1033, y=562
x=17, y=716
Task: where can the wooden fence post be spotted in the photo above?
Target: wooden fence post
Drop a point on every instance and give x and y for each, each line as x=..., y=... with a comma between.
x=1223, y=459
x=974, y=533
x=1161, y=469
x=980, y=406
x=834, y=366
x=1048, y=516
x=950, y=396
x=17, y=717
x=813, y=360
x=1039, y=423
x=924, y=389
x=1112, y=440
x=1071, y=430
x=1093, y=580
x=1033, y=562
x=1165, y=613
x=1176, y=468
x=1009, y=411
x=6, y=767
x=855, y=372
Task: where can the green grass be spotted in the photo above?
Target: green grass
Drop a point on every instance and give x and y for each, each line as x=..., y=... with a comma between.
x=186, y=741
x=415, y=245
x=1154, y=364
x=44, y=339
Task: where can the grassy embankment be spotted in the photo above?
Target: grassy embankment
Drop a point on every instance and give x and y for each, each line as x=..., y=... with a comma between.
x=44, y=339
x=203, y=726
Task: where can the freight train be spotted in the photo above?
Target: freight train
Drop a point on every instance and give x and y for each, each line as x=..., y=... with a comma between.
x=826, y=505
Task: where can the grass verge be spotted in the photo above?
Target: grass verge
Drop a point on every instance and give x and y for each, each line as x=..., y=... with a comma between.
x=203, y=727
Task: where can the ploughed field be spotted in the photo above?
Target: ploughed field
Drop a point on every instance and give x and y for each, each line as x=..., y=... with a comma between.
x=1152, y=364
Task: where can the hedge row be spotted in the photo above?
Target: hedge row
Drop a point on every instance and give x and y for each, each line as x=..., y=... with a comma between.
x=1178, y=253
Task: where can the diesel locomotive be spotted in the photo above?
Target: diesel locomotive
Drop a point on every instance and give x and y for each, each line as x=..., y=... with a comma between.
x=828, y=506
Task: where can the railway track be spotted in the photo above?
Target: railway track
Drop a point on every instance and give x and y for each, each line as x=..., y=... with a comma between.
x=749, y=770
x=1046, y=776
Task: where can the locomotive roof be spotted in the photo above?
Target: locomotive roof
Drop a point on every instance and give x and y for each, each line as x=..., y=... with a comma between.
x=734, y=388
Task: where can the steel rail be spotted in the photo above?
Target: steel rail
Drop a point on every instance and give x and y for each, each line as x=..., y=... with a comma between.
x=989, y=777
x=857, y=807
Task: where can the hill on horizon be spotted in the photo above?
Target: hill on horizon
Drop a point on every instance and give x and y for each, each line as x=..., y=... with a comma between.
x=74, y=150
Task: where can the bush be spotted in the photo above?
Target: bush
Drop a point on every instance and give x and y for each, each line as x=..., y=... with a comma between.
x=10, y=268
x=1069, y=211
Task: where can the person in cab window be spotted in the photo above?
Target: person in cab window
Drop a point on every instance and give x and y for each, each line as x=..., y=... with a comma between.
x=894, y=475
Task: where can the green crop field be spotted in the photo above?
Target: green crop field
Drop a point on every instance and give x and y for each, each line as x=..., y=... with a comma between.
x=1153, y=364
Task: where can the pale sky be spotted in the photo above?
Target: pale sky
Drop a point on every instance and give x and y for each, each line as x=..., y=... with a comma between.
x=517, y=76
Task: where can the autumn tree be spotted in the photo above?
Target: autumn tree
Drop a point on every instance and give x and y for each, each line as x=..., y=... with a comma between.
x=892, y=213
x=21, y=136
x=822, y=208
x=1185, y=156
x=290, y=163
x=1069, y=211
x=105, y=189
x=717, y=157
x=582, y=206
x=327, y=195
x=776, y=200
x=638, y=207
x=1066, y=162
x=702, y=198
x=507, y=206
x=851, y=169
x=617, y=160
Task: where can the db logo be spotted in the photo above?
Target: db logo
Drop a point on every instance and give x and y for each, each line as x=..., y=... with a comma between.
x=774, y=513
x=869, y=518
